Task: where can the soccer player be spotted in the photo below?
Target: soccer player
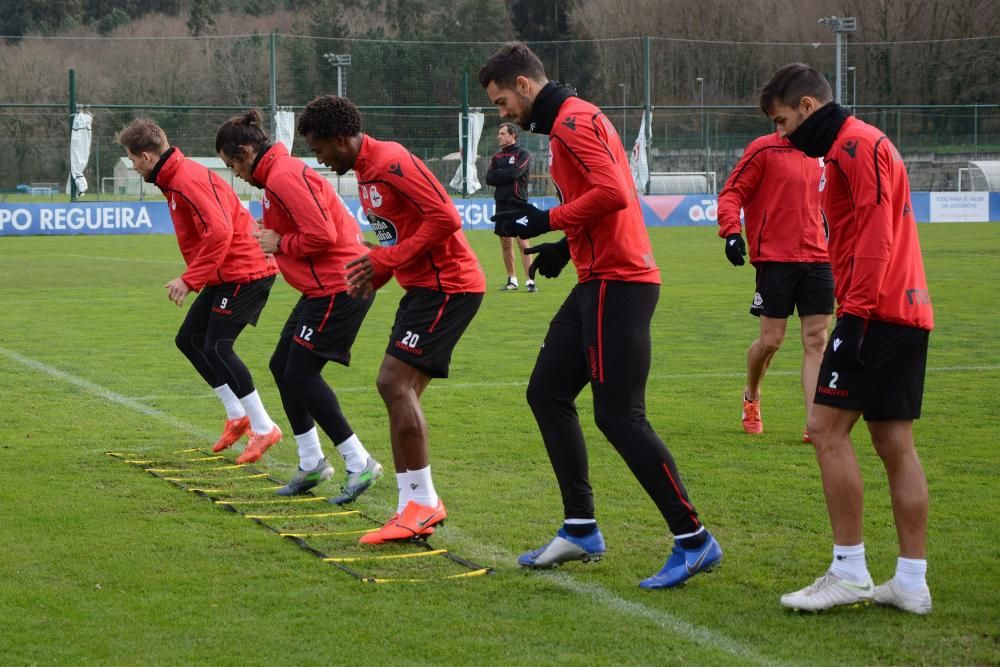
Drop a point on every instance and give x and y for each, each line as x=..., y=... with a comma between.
x=421, y=243
x=508, y=173
x=225, y=265
x=312, y=236
x=601, y=334
x=777, y=187
x=874, y=364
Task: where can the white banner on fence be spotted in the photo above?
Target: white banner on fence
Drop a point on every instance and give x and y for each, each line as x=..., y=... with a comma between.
x=79, y=151
x=960, y=206
x=638, y=161
x=284, y=128
x=474, y=132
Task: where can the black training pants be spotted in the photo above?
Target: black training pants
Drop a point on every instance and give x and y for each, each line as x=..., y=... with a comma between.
x=601, y=335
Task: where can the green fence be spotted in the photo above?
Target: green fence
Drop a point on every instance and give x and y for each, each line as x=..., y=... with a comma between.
x=936, y=99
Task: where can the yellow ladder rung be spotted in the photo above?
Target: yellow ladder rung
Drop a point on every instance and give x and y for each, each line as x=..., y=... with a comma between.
x=330, y=532
x=186, y=451
x=315, y=499
x=299, y=516
x=474, y=573
x=415, y=554
x=206, y=458
x=224, y=479
x=138, y=463
x=258, y=488
x=232, y=467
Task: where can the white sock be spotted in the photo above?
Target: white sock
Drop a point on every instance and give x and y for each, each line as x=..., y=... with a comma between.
x=354, y=454
x=512, y=280
x=529, y=281
x=310, y=450
x=911, y=573
x=403, y=484
x=260, y=422
x=849, y=563
x=234, y=409
x=422, y=488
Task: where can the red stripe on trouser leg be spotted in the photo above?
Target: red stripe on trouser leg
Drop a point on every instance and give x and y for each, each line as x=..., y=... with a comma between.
x=329, y=309
x=237, y=290
x=440, y=313
x=600, y=332
x=680, y=495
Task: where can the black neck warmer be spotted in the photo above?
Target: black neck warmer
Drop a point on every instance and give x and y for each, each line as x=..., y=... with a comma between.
x=546, y=107
x=263, y=149
x=159, y=165
x=816, y=134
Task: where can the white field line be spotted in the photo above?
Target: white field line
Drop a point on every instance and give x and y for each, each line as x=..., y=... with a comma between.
x=447, y=385
x=691, y=632
x=130, y=260
x=106, y=394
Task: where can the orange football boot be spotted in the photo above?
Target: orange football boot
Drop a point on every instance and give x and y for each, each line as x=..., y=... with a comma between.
x=415, y=521
x=259, y=443
x=233, y=431
x=751, y=416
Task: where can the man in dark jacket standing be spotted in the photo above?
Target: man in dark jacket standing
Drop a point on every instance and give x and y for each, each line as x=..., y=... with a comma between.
x=508, y=173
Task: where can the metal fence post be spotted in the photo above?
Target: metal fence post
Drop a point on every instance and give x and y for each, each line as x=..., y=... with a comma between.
x=72, y=114
x=464, y=133
x=273, y=95
x=647, y=102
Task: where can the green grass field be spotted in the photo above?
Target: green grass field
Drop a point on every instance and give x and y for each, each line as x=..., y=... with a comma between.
x=102, y=563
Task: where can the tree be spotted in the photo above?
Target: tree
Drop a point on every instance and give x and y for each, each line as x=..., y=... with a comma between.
x=202, y=16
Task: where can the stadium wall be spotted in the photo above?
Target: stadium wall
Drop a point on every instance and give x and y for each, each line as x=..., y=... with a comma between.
x=658, y=211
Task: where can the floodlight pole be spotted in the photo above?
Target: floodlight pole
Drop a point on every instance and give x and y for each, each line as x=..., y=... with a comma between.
x=622, y=86
x=839, y=26
x=853, y=71
x=340, y=61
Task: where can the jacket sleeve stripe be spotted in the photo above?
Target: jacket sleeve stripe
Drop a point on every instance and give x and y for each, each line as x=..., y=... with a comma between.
x=430, y=180
x=583, y=164
x=193, y=208
x=597, y=135
x=309, y=188
x=878, y=174
x=736, y=177
x=215, y=191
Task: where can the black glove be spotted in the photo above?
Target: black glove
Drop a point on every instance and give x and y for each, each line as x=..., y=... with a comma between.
x=845, y=342
x=552, y=257
x=526, y=222
x=736, y=249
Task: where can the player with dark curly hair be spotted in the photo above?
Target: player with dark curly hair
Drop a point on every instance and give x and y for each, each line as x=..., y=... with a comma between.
x=420, y=241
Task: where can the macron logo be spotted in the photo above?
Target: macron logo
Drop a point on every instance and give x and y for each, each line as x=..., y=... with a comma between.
x=733, y=242
x=522, y=221
x=836, y=343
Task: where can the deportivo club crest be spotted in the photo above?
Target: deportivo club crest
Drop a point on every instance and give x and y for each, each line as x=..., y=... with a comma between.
x=384, y=230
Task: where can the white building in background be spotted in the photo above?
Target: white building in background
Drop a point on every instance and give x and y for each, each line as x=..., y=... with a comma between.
x=126, y=182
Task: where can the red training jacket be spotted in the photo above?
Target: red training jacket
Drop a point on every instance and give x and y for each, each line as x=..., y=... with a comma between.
x=213, y=227
x=600, y=211
x=418, y=229
x=777, y=186
x=874, y=250
x=319, y=236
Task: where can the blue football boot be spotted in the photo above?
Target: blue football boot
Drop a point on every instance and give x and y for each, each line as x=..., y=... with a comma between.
x=564, y=548
x=684, y=564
